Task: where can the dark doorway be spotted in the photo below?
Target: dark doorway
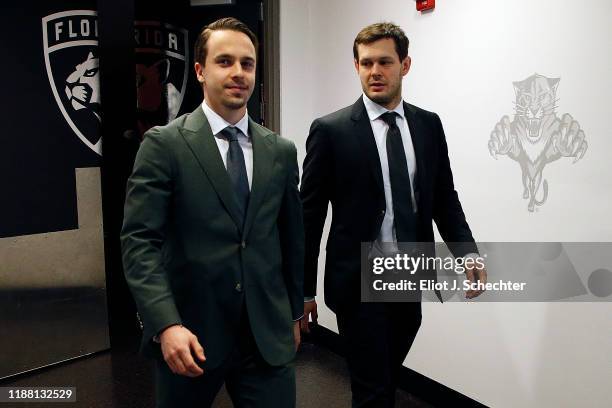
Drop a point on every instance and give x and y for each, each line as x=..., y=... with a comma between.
x=125, y=29
x=181, y=14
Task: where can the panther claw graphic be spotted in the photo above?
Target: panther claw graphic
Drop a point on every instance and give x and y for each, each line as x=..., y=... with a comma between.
x=79, y=96
x=502, y=141
x=569, y=140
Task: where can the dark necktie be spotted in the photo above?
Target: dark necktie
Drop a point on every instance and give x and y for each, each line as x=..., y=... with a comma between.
x=236, y=169
x=404, y=218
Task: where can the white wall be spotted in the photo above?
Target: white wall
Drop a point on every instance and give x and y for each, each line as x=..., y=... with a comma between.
x=465, y=57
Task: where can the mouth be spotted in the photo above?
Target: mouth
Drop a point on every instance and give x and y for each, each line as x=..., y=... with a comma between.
x=377, y=86
x=237, y=88
x=534, y=123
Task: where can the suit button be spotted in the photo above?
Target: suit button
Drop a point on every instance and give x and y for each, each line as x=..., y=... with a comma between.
x=243, y=244
x=238, y=287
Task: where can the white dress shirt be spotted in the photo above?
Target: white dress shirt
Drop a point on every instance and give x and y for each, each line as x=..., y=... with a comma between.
x=380, y=128
x=217, y=124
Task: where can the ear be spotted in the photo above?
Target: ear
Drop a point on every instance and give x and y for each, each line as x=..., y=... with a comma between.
x=356, y=65
x=406, y=63
x=554, y=83
x=199, y=70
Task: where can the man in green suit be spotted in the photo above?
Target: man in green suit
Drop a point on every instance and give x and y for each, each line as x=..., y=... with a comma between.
x=213, y=240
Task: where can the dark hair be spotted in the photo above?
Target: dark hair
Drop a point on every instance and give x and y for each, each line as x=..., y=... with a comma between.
x=227, y=23
x=378, y=31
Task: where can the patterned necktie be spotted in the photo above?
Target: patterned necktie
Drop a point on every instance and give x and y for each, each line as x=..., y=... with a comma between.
x=236, y=169
x=404, y=218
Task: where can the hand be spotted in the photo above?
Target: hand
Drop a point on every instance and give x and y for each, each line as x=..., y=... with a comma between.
x=569, y=140
x=297, y=338
x=475, y=274
x=310, y=313
x=178, y=344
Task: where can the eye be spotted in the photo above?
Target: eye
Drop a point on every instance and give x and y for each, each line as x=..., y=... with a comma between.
x=248, y=65
x=365, y=63
x=224, y=62
x=91, y=72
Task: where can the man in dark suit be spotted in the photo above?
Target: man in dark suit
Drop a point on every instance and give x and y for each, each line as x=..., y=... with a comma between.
x=383, y=164
x=213, y=240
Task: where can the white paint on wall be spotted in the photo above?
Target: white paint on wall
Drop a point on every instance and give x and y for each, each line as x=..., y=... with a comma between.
x=465, y=57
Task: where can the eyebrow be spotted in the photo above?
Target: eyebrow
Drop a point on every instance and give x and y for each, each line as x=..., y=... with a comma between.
x=384, y=58
x=233, y=57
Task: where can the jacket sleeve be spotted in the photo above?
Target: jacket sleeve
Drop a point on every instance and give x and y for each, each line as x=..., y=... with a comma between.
x=447, y=212
x=149, y=191
x=291, y=231
x=315, y=193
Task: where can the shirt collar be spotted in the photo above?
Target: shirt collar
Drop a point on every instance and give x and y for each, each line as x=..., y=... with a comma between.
x=375, y=110
x=217, y=123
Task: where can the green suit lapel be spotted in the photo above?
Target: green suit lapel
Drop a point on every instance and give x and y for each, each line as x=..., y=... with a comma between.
x=200, y=139
x=263, y=161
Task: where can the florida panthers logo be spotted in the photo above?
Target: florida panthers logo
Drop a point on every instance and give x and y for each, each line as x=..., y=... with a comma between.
x=70, y=41
x=162, y=61
x=536, y=136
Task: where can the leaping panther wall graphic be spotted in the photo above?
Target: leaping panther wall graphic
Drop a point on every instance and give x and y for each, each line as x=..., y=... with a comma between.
x=537, y=136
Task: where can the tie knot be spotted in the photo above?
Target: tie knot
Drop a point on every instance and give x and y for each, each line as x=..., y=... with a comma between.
x=389, y=118
x=231, y=133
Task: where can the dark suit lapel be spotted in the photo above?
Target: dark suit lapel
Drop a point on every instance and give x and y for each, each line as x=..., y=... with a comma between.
x=363, y=130
x=263, y=161
x=200, y=139
x=417, y=135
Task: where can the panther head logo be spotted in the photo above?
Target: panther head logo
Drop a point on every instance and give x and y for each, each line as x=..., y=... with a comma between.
x=83, y=86
x=158, y=100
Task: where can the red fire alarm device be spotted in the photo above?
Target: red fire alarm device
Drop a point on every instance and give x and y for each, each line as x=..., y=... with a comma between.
x=423, y=5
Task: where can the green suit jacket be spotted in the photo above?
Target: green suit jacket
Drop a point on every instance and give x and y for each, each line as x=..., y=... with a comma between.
x=186, y=258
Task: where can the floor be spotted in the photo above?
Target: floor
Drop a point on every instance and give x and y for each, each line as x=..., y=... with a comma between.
x=121, y=378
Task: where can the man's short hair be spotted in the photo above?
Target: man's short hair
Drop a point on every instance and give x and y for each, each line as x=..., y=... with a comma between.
x=227, y=23
x=378, y=31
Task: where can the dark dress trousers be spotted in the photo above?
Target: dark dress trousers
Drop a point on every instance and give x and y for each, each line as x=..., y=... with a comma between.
x=189, y=259
x=342, y=167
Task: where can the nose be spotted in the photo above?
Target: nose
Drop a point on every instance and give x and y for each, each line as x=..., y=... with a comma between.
x=375, y=69
x=237, y=69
